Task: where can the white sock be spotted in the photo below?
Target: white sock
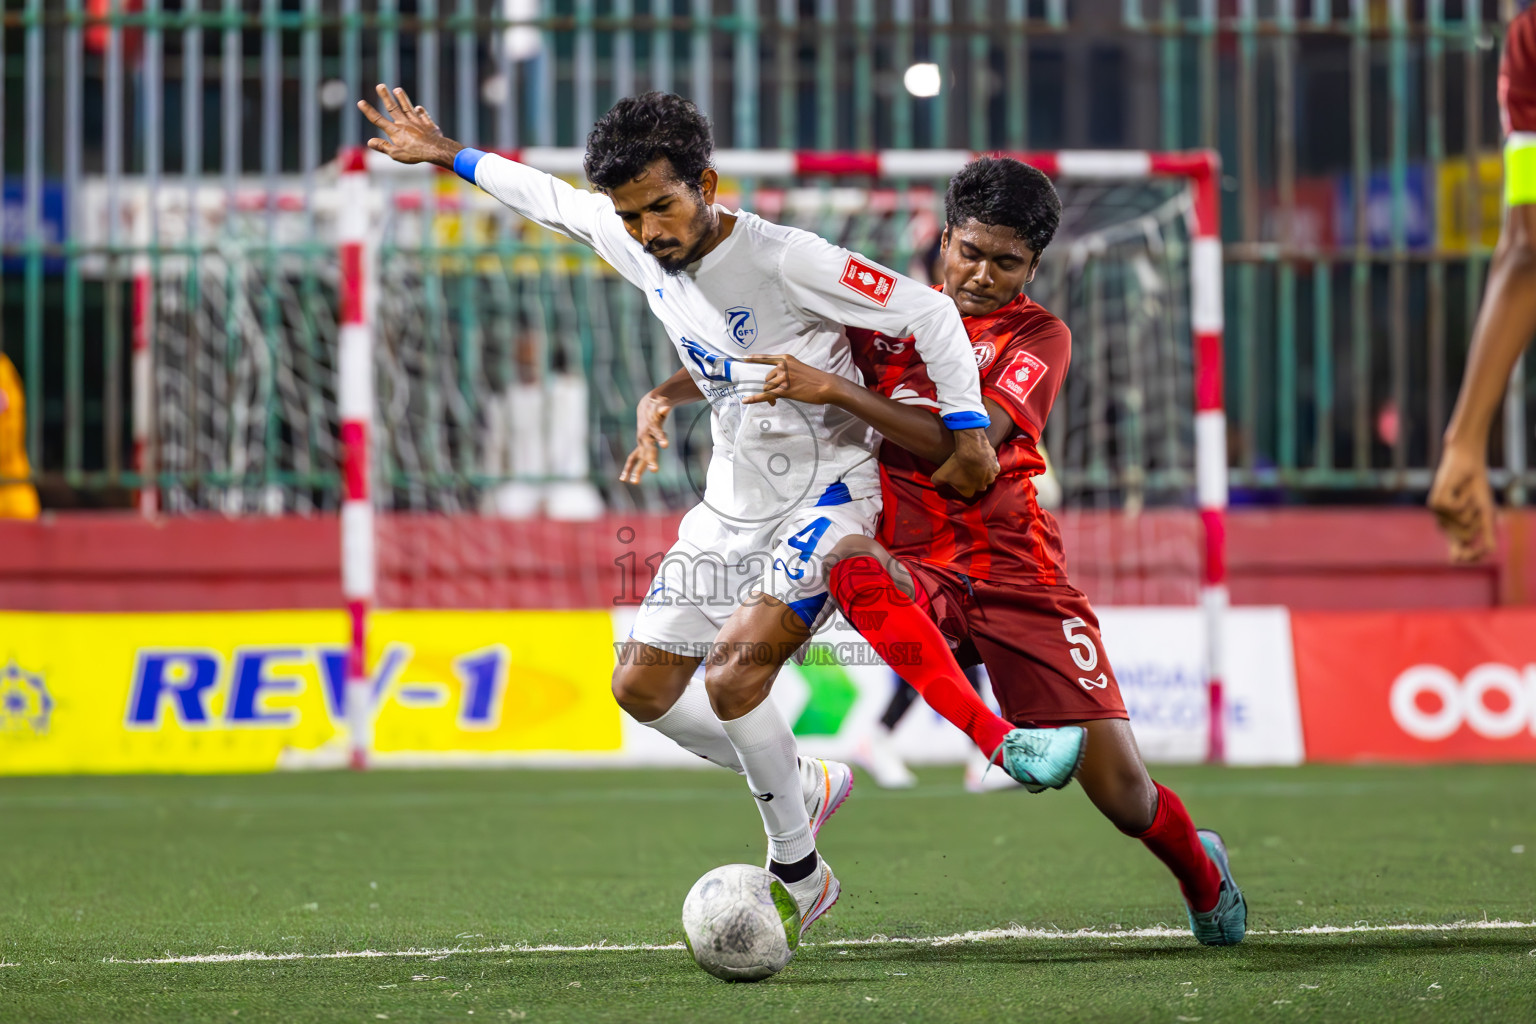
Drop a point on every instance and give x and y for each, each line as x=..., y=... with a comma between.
x=692, y=725
x=766, y=749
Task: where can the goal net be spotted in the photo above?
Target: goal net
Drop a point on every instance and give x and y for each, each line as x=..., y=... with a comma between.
x=508, y=363
x=505, y=363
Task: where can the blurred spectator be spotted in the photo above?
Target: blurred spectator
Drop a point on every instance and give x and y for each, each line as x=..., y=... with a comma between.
x=536, y=439
x=18, y=498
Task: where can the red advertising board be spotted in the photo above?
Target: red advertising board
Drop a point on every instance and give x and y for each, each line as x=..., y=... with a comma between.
x=1417, y=686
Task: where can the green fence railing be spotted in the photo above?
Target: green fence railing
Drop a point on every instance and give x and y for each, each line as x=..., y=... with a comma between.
x=1359, y=142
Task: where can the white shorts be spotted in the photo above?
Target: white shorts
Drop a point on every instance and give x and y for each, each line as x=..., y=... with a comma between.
x=715, y=566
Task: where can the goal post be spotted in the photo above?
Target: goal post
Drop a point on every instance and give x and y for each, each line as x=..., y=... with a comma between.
x=356, y=286
x=366, y=177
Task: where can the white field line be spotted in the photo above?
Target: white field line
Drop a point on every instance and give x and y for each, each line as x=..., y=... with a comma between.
x=1011, y=932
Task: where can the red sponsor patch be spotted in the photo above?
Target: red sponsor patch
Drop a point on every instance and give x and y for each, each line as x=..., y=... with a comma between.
x=1021, y=375
x=871, y=282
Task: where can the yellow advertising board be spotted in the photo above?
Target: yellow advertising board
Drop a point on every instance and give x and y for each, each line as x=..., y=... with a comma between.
x=253, y=691
x=1465, y=202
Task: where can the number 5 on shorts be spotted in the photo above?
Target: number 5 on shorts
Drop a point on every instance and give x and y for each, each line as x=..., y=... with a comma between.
x=1086, y=659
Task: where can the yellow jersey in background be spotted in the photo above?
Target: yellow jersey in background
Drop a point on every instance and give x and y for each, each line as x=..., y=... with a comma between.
x=18, y=498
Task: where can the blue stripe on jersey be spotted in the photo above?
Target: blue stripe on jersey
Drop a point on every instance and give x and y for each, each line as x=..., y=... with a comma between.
x=808, y=608
x=464, y=163
x=835, y=494
x=967, y=420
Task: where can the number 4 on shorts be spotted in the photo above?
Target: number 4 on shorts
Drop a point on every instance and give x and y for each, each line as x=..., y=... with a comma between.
x=806, y=540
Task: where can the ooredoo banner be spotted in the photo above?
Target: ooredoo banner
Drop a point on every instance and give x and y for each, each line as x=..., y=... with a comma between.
x=1417, y=686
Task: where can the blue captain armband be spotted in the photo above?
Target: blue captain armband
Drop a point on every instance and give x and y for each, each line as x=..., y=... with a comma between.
x=967, y=420
x=464, y=163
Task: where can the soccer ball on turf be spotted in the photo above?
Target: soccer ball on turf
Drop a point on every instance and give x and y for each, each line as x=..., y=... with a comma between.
x=740, y=923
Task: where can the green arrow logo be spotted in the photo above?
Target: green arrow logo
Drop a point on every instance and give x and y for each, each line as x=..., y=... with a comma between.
x=832, y=694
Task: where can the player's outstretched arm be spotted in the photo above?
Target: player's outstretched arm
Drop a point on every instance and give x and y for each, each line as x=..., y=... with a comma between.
x=650, y=413
x=1460, y=496
x=412, y=137
x=913, y=428
x=410, y=134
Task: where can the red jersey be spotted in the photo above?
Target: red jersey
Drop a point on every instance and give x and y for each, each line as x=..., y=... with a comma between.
x=1001, y=535
x=1517, y=75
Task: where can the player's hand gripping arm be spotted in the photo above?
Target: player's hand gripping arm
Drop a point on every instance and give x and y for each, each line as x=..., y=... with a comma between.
x=678, y=389
x=939, y=336
x=1460, y=496
x=412, y=137
x=817, y=278
x=913, y=428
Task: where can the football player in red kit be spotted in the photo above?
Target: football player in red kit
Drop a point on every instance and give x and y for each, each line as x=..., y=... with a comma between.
x=1461, y=496
x=984, y=576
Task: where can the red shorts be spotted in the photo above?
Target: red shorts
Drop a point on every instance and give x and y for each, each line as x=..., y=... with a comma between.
x=1040, y=644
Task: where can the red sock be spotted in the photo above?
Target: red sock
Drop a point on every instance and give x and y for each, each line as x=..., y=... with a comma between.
x=886, y=617
x=1172, y=839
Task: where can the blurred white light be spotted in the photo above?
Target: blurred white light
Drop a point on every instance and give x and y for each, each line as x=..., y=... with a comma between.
x=521, y=42
x=333, y=93
x=922, y=80
x=493, y=91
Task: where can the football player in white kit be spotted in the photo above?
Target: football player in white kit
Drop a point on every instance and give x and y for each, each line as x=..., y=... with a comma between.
x=744, y=586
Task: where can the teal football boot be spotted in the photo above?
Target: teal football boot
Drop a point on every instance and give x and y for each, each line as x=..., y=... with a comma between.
x=1226, y=923
x=1042, y=759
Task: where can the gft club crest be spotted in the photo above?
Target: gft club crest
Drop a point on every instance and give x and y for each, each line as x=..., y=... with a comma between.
x=25, y=703
x=742, y=325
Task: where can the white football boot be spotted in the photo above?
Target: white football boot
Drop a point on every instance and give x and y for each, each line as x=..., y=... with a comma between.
x=826, y=784
x=877, y=754
x=815, y=893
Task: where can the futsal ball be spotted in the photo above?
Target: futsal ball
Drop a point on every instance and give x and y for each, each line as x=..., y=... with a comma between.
x=740, y=923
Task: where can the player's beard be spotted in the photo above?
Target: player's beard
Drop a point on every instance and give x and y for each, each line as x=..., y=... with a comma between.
x=677, y=258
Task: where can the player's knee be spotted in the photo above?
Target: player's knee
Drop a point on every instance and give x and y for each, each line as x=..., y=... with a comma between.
x=1135, y=805
x=736, y=680
x=638, y=693
x=852, y=546
x=847, y=579
x=625, y=692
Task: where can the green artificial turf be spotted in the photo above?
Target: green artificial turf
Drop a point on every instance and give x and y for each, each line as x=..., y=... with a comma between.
x=97, y=870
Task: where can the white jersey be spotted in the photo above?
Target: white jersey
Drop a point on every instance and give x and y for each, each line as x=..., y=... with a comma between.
x=764, y=289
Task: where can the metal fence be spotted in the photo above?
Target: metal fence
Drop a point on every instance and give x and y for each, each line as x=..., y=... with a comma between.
x=1359, y=141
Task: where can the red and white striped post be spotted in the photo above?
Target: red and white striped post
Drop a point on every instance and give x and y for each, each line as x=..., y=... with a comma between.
x=141, y=312
x=1208, y=323
x=354, y=368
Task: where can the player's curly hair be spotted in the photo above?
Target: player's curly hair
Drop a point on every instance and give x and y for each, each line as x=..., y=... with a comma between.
x=1005, y=193
x=638, y=130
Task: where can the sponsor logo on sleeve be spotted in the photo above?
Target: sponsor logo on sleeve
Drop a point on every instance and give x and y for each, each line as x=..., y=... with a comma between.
x=869, y=281
x=1021, y=375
